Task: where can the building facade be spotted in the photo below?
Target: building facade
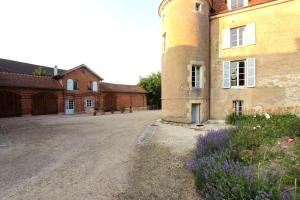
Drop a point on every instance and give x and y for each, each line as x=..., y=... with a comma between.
x=78, y=90
x=229, y=56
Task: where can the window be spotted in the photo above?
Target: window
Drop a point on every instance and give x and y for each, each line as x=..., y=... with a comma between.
x=70, y=84
x=238, y=107
x=76, y=85
x=164, y=43
x=237, y=73
x=90, y=86
x=198, y=7
x=89, y=103
x=237, y=4
x=95, y=86
x=237, y=37
x=196, y=76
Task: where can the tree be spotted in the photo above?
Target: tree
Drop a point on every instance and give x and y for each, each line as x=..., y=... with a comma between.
x=152, y=84
x=40, y=72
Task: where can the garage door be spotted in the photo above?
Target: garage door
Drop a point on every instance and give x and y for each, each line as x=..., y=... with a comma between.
x=109, y=102
x=10, y=104
x=44, y=104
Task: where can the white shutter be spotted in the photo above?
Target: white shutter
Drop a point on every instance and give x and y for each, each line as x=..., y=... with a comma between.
x=70, y=84
x=251, y=71
x=229, y=4
x=245, y=3
x=226, y=38
x=226, y=74
x=251, y=34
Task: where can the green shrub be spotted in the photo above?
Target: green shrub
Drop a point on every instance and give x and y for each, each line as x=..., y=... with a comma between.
x=122, y=109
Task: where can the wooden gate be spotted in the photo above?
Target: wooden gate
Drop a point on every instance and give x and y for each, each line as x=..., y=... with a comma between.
x=10, y=104
x=109, y=102
x=44, y=104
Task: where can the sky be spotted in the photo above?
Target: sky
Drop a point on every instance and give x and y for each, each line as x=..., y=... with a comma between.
x=118, y=39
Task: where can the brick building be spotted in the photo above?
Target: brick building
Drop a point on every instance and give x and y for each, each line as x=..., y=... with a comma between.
x=78, y=90
x=225, y=56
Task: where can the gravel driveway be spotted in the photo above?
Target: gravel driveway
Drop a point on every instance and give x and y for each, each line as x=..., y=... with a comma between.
x=62, y=157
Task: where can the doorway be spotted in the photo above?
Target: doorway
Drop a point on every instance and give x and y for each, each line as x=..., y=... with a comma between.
x=70, y=106
x=196, y=113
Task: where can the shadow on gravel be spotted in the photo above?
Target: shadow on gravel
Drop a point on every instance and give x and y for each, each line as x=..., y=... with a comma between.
x=159, y=174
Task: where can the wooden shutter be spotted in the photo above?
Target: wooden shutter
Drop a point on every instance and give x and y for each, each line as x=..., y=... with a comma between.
x=245, y=3
x=251, y=34
x=226, y=38
x=251, y=71
x=226, y=74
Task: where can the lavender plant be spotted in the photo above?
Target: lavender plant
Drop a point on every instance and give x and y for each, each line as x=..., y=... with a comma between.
x=212, y=142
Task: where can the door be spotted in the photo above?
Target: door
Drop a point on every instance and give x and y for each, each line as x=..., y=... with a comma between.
x=10, y=104
x=109, y=102
x=70, y=107
x=44, y=104
x=196, y=113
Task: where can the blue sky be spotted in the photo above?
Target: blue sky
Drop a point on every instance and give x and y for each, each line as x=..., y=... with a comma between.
x=119, y=39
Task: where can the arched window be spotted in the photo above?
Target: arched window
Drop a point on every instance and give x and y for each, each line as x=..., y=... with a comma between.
x=95, y=86
x=70, y=84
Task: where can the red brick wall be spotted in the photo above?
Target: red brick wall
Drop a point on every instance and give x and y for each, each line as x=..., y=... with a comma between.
x=26, y=94
x=84, y=77
x=134, y=100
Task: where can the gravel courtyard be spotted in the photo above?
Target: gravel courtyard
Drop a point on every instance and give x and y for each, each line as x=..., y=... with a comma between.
x=62, y=157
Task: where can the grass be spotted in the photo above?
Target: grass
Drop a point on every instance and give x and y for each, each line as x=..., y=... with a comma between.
x=257, y=148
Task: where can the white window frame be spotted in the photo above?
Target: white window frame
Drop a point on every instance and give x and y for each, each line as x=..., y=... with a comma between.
x=238, y=74
x=238, y=106
x=244, y=41
x=89, y=103
x=196, y=79
x=70, y=85
x=198, y=7
x=94, y=86
x=229, y=5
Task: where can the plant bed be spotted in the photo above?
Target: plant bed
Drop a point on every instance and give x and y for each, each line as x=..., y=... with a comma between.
x=259, y=159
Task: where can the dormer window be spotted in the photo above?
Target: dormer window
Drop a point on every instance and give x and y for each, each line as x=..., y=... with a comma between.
x=236, y=4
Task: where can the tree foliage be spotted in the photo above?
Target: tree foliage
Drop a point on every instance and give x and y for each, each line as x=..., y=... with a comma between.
x=152, y=84
x=40, y=72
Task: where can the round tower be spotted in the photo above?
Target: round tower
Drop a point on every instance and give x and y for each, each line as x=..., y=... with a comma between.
x=185, y=60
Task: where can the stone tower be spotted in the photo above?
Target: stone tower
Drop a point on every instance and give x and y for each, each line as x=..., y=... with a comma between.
x=185, y=60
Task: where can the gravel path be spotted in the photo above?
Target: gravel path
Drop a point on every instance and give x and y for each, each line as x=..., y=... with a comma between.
x=61, y=157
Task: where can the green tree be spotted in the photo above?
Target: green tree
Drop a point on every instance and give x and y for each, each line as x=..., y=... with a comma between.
x=40, y=72
x=152, y=84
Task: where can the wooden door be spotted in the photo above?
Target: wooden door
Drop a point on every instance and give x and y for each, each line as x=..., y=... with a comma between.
x=44, y=104
x=10, y=104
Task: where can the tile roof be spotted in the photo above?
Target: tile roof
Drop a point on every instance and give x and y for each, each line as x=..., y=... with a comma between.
x=24, y=68
x=220, y=6
x=110, y=87
x=28, y=81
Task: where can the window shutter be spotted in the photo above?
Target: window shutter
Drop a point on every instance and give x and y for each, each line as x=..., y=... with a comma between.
x=226, y=38
x=251, y=71
x=70, y=84
x=229, y=4
x=251, y=34
x=245, y=3
x=226, y=74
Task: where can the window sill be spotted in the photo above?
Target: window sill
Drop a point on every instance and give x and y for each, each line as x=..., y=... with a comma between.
x=238, y=87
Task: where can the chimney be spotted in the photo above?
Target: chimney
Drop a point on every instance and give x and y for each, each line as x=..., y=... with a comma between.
x=55, y=70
